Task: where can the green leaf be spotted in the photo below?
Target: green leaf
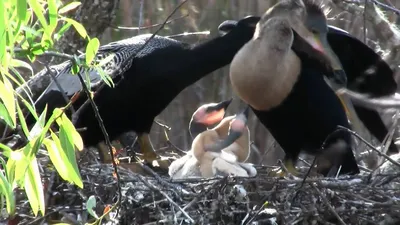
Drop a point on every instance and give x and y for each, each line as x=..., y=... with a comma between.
x=46, y=43
x=17, y=165
x=105, y=77
x=34, y=188
x=61, y=32
x=3, y=29
x=67, y=135
x=91, y=50
x=75, y=68
x=69, y=7
x=16, y=76
x=52, y=7
x=7, y=97
x=6, y=151
x=70, y=128
x=67, y=146
x=61, y=161
x=37, y=49
x=7, y=190
x=90, y=205
x=38, y=10
x=66, y=138
x=38, y=127
x=79, y=27
x=22, y=120
x=57, y=156
x=31, y=33
x=27, y=105
x=4, y=114
x=21, y=64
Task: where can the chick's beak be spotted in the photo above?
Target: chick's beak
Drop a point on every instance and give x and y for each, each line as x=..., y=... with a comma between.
x=235, y=131
x=224, y=104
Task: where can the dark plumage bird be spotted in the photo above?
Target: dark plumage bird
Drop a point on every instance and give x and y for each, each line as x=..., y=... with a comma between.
x=366, y=72
x=276, y=74
x=146, y=81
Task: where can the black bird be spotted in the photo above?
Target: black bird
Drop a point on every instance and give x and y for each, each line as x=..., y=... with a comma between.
x=366, y=72
x=287, y=91
x=146, y=81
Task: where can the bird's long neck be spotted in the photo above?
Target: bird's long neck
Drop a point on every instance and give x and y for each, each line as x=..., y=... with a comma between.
x=196, y=128
x=202, y=59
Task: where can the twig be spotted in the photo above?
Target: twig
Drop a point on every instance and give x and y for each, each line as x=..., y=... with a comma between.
x=189, y=34
x=197, y=198
x=148, y=27
x=166, y=196
x=140, y=16
x=393, y=9
x=105, y=134
x=369, y=145
x=325, y=200
x=162, y=125
x=181, y=151
x=157, y=177
x=53, y=77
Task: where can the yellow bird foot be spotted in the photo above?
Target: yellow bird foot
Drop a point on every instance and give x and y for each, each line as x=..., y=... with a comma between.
x=289, y=169
x=149, y=155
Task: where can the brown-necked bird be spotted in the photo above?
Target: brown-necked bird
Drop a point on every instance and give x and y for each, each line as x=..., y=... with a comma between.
x=280, y=74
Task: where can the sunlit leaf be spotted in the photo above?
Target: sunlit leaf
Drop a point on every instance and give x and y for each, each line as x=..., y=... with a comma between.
x=37, y=9
x=37, y=49
x=61, y=32
x=79, y=27
x=3, y=29
x=34, y=188
x=105, y=77
x=21, y=64
x=38, y=127
x=31, y=33
x=4, y=114
x=70, y=128
x=90, y=205
x=21, y=118
x=7, y=190
x=17, y=165
x=5, y=150
x=16, y=77
x=7, y=97
x=28, y=106
x=75, y=68
x=91, y=50
x=10, y=39
x=69, y=7
x=57, y=156
x=66, y=144
x=52, y=7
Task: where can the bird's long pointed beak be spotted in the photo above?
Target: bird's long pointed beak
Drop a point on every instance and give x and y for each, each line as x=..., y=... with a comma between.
x=224, y=104
x=320, y=43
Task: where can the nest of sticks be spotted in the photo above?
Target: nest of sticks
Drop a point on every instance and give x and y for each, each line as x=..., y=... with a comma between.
x=150, y=197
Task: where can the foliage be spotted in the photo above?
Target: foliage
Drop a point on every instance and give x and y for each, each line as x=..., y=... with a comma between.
x=29, y=28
